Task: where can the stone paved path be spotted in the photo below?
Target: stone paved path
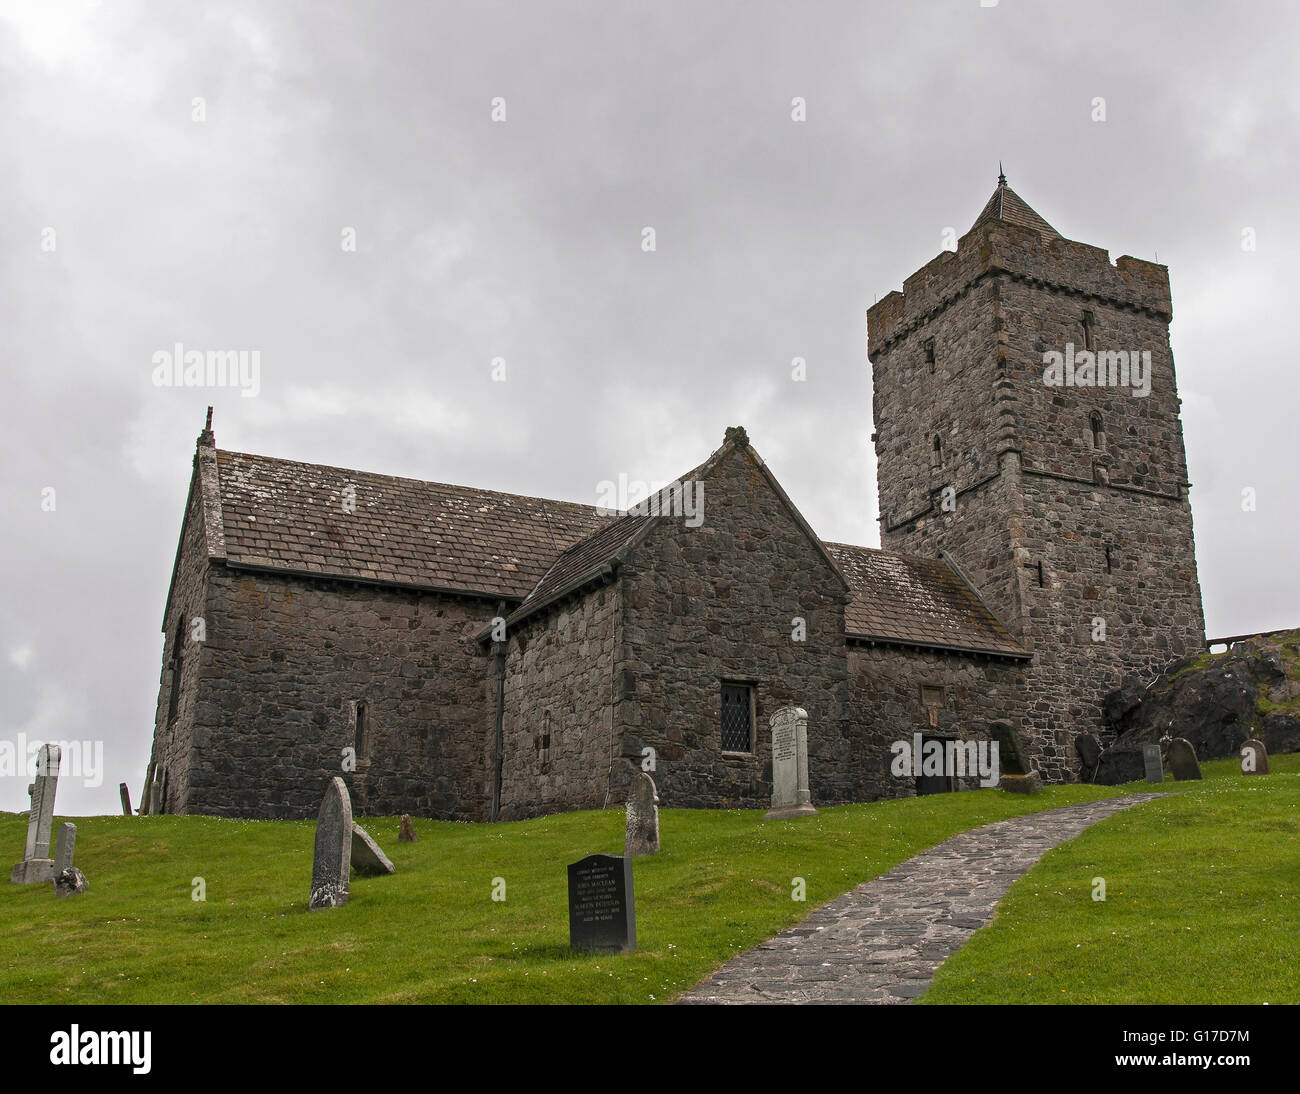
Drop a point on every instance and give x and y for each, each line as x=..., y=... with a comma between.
x=881, y=942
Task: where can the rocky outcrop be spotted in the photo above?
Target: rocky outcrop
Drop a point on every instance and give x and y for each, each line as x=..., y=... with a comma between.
x=1215, y=702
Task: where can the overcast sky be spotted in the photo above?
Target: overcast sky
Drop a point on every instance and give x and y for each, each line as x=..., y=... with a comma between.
x=185, y=172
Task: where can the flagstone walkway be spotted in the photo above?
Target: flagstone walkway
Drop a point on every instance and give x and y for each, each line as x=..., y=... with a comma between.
x=881, y=942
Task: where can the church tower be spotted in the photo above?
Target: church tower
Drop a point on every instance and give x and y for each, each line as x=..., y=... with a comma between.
x=1027, y=426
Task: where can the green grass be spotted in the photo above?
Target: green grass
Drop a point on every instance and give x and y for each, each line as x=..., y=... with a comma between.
x=1200, y=902
x=1201, y=905
x=431, y=932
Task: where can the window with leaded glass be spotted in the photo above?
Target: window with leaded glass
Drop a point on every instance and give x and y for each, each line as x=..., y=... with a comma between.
x=737, y=718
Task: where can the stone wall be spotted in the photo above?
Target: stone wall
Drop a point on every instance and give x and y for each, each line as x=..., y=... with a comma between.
x=285, y=662
x=188, y=595
x=715, y=604
x=885, y=705
x=558, y=726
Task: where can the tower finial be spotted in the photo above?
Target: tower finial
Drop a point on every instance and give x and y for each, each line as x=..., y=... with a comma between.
x=1002, y=178
x=207, y=439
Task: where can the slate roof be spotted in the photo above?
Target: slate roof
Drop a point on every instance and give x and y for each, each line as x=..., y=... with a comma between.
x=917, y=601
x=1006, y=204
x=290, y=516
x=583, y=560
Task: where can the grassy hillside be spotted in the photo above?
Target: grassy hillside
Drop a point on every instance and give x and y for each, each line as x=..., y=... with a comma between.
x=431, y=932
x=1201, y=905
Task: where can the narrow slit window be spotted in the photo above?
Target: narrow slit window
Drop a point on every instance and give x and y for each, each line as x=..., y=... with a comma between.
x=936, y=453
x=1110, y=561
x=1098, y=430
x=178, y=664
x=361, y=729
x=929, y=354
x=1089, y=338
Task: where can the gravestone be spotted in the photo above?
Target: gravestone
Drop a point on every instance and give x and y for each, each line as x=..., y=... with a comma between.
x=70, y=882
x=1152, y=764
x=1090, y=754
x=64, y=848
x=146, y=791
x=1017, y=776
x=1254, y=757
x=407, y=832
x=126, y=799
x=1182, y=759
x=331, y=864
x=367, y=858
x=602, y=906
x=37, y=866
x=642, y=836
x=791, y=796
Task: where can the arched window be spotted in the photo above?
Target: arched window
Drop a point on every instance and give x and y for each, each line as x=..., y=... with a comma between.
x=936, y=456
x=1098, y=432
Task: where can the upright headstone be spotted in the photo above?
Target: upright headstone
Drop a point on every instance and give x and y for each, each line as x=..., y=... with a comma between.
x=65, y=847
x=602, y=906
x=1254, y=757
x=146, y=792
x=642, y=836
x=126, y=799
x=791, y=796
x=1090, y=755
x=1152, y=764
x=331, y=866
x=407, y=832
x=37, y=866
x=1182, y=759
x=1016, y=774
x=367, y=858
x=158, y=792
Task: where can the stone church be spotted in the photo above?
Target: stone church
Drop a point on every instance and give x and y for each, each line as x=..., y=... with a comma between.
x=466, y=654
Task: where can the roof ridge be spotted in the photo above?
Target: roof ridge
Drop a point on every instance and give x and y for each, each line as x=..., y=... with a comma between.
x=407, y=478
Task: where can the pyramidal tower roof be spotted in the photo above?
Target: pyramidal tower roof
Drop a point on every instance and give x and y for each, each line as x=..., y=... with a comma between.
x=1006, y=204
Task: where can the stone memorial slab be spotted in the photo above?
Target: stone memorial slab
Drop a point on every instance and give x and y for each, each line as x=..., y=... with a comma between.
x=64, y=848
x=70, y=882
x=1254, y=757
x=602, y=906
x=1089, y=754
x=367, y=858
x=642, y=836
x=407, y=832
x=126, y=799
x=331, y=864
x=791, y=796
x=1182, y=759
x=1152, y=764
x=37, y=866
x=146, y=790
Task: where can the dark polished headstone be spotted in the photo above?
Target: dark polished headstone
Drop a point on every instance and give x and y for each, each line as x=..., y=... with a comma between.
x=1182, y=759
x=1254, y=757
x=602, y=906
x=1011, y=755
